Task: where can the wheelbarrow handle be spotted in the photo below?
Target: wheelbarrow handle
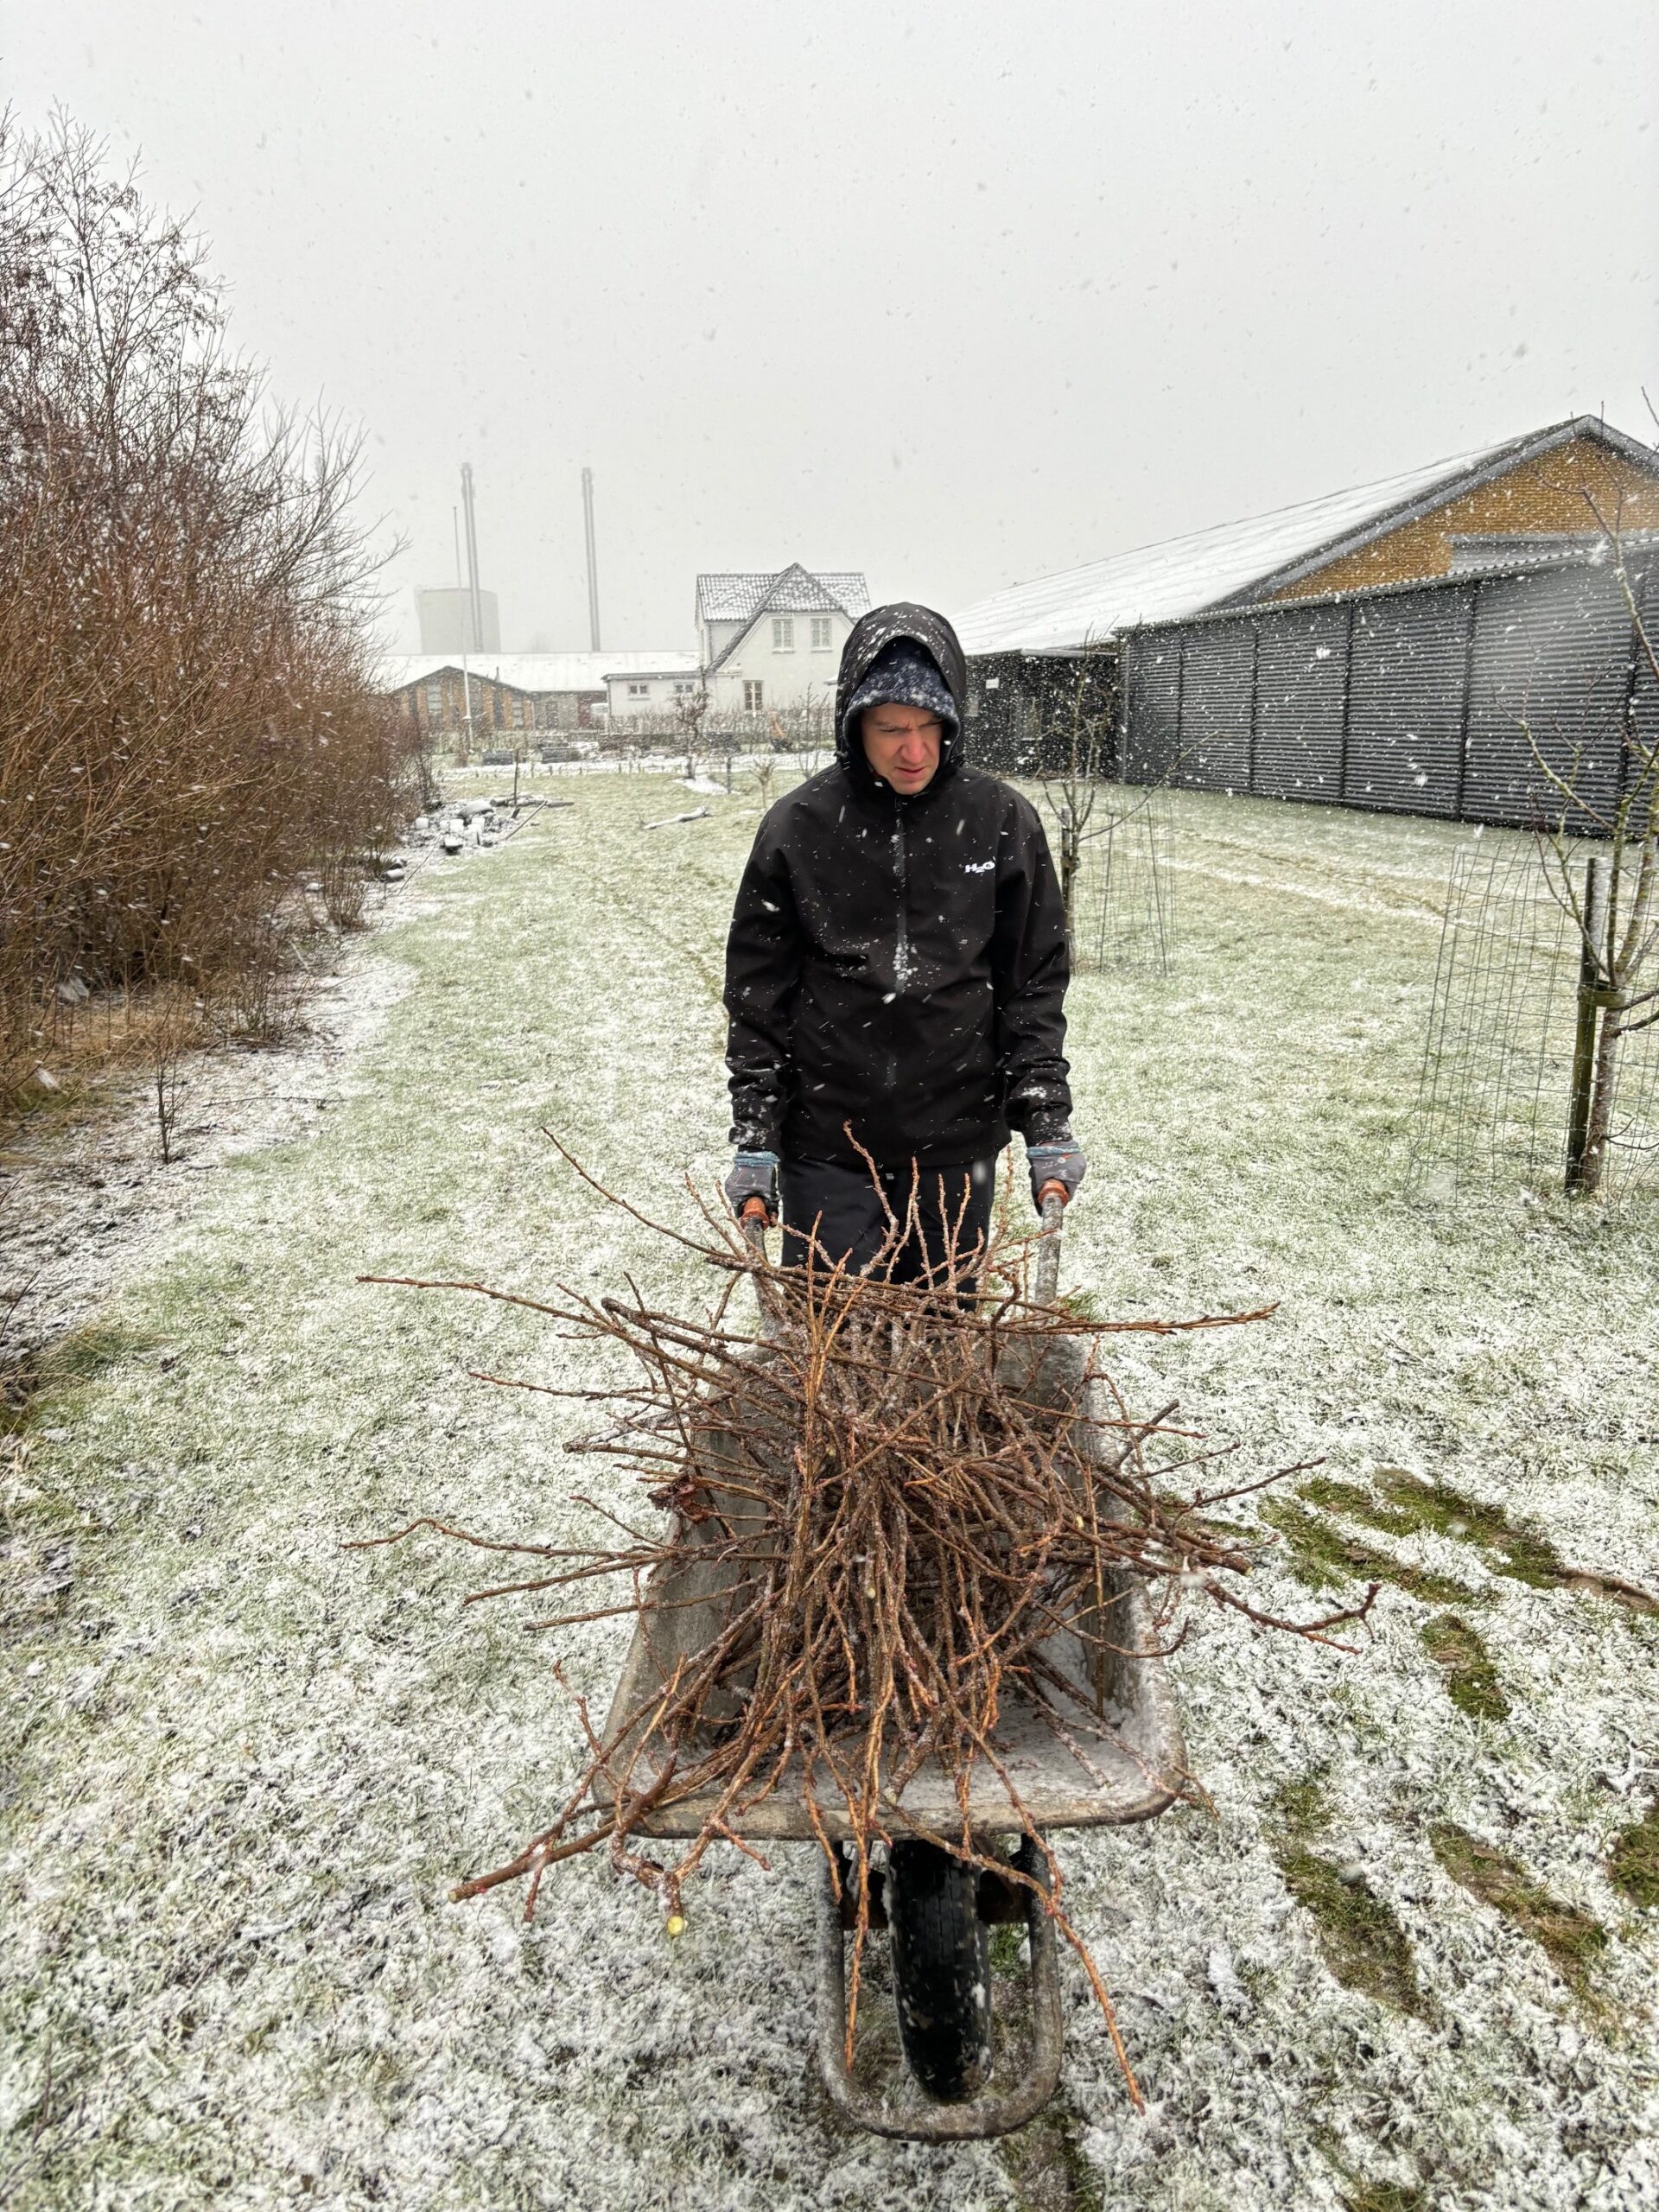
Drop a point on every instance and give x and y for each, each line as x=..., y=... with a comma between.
x=1052, y=1199
x=756, y=1219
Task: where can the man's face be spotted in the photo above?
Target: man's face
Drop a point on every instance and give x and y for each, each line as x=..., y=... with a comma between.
x=902, y=746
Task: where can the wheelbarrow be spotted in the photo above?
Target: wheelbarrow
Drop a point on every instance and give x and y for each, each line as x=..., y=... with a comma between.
x=1125, y=1764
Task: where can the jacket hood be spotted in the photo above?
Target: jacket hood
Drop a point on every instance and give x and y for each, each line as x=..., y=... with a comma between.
x=868, y=637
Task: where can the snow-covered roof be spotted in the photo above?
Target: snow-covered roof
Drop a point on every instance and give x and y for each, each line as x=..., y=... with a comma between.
x=542, y=672
x=739, y=597
x=677, y=665
x=1243, y=559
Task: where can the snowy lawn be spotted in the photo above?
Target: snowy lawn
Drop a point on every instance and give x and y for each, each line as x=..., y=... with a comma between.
x=1405, y=1962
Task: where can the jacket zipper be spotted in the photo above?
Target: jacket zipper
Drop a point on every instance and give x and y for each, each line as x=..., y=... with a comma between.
x=901, y=865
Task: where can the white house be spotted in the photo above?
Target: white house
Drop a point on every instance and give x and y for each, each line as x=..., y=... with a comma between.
x=774, y=640
x=649, y=683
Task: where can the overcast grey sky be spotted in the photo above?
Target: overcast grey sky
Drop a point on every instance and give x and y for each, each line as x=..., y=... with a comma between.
x=957, y=295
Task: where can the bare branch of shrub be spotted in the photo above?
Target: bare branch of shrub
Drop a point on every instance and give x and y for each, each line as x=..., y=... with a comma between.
x=187, y=734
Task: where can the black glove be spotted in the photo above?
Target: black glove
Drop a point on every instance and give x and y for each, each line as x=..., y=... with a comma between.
x=1059, y=1159
x=754, y=1175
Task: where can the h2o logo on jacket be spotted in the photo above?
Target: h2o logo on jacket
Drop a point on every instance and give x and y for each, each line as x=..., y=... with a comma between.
x=977, y=868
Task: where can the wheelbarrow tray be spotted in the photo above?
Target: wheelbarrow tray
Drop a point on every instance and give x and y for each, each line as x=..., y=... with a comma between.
x=1125, y=1761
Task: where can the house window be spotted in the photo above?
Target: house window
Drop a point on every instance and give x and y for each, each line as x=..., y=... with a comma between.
x=435, y=698
x=638, y=690
x=783, y=633
x=821, y=639
x=754, y=697
x=683, y=690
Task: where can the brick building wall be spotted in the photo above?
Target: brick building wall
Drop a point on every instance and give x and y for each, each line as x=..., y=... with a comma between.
x=1547, y=494
x=438, y=702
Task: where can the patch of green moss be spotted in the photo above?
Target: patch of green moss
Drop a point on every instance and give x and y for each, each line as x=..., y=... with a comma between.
x=1515, y=1549
x=1363, y=1945
x=1302, y=1809
x=1385, y=2197
x=1358, y=1504
x=1045, y=2162
x=1571, y=1940
x=1471, y=1681
x=1319, y=1556
x=1409, y=1505
x=1633, y=1863
x=1008, y=1951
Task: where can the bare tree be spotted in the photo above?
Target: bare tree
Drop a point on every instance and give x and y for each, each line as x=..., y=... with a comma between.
x=690, y=709
x=1612, y=904
x=1075, y=764
x=1073, y=757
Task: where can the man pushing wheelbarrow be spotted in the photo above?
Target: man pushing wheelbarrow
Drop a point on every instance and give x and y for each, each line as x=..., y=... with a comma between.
x=896, y=973
x=896, y=976
x=912, y=1567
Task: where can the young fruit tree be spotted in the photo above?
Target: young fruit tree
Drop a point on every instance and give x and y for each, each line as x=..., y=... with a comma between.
x=1609, y=896
x=690, y=709
x=1076, y=763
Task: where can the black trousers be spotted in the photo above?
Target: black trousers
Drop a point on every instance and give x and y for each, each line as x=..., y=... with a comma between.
x=842, y=1208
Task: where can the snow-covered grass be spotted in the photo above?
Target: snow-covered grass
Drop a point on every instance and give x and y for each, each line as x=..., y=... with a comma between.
x=243, y=1765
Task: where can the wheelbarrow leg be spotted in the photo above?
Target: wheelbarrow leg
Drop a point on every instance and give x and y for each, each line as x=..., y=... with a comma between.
x=977, y=2117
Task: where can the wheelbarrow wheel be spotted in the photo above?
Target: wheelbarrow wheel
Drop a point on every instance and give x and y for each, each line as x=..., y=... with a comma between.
x=941, y=1969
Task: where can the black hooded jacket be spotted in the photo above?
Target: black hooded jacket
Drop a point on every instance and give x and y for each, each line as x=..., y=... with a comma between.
x=895, y=963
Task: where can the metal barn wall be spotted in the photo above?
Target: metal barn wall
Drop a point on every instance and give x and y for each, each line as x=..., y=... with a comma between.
x=1023, y=707
x=1429, y=700
x=1216, y=673
x=1547, y=652
x=1406, y=666
x=1300, y=668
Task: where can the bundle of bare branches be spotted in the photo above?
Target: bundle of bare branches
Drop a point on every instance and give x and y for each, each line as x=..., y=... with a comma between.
x=895, y=1510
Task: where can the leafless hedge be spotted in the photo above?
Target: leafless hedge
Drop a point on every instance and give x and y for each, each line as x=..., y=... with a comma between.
x=187, y=737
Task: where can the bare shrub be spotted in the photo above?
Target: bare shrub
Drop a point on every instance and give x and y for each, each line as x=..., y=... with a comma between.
x=187, y=729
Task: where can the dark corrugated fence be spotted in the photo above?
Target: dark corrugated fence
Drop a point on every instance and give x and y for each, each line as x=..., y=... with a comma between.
x=1420, y=701
x=1300, y=689
x=1027, y=711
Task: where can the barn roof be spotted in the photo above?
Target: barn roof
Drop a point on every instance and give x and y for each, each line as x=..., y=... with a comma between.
x=1241, y=561
x=740, y=596
x=536, y=672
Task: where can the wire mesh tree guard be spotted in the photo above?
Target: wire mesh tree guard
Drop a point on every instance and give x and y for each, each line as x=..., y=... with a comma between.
x=1496, y=1099
x=1124, y=906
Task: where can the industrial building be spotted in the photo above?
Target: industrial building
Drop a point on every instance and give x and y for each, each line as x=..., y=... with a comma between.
x=1415, y=645
x=534, y=691
x=453, y=619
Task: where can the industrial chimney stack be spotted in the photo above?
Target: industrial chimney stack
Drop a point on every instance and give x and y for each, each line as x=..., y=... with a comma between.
x=593, y=557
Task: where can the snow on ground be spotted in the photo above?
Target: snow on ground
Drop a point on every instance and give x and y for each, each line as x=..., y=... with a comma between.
x=243, y=1765
x=87, y=1202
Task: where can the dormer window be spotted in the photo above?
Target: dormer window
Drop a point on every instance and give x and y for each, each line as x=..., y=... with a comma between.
x=783, y=633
